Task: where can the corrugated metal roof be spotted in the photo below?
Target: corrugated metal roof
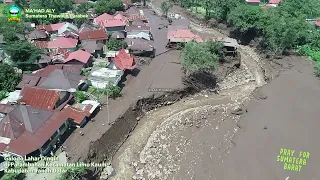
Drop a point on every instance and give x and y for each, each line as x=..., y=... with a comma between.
x=45, y=72
x=6, y=108
x=40, y=98
x=124, y=61
x=98, y=34
x=28, y=80
x=59, y=79
x=77, y=115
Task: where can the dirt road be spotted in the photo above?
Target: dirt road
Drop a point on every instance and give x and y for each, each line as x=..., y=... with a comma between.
x=237, y=134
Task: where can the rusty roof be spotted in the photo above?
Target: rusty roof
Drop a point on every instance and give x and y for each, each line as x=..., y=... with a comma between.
x=77, y=115
x=40, y=98
x=28, y=80
x=98, y=34
x=28, y=142
x=45, y=72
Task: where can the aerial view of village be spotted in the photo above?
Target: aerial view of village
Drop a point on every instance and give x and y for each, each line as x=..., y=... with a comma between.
x=159, y=89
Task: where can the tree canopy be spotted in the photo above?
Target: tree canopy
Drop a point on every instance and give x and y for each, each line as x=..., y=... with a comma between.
x=9, y=78
x=115, y=44
x=108, y=6
x=198, y=56
x=22, y=52
x=165, y=7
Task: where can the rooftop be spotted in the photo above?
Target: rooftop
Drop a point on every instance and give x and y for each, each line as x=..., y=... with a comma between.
x=45, y=72
x=98, y=34
x=80, y=55
x=40, y=98
x=182, y=35
x=51, y=27
x=28, y=80
x=59, y=79
x=124, y=61
x=62, y=42
x=28, y=142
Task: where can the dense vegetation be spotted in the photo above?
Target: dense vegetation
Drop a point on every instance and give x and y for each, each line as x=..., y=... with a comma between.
x=116, y=44
x=9, y=78
x=279, y=30
x=201, y=56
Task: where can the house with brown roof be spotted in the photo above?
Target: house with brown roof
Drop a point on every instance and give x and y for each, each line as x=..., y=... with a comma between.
x=140, y=47
x=63, y=81
x=118, y=35
x=39, y=35
x=29, y=80
x=98, y=35
x=29, y=130
x=45, y=72
x=44, y=98
x=93, y=47
x=77, y=116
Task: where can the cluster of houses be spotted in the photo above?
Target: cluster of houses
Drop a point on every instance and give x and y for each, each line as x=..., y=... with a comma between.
x=43, y=106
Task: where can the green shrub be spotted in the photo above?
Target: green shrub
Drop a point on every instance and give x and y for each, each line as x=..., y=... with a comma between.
x=81, y=96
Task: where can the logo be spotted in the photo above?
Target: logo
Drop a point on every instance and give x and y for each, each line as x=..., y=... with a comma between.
x=14, y=14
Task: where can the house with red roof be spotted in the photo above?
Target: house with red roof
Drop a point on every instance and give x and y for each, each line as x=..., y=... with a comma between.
x=77, y=116
x=110, y=23
x=64, y=56
x=317, y=24
x=27, y=129
x=44, y=98
x=45, y=72
x=63, y=43
x=182, y=36
x=98, y=35
x=79, y=57
x=124, y=61
x=52, y=28
x=253, y=2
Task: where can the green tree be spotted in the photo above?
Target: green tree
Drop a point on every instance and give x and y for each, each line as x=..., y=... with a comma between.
x=115, y=44
x=60, y=6
x=165, y=7
x=82, y=9
x=9, y=78
x=113, y=91
x=108, y=6
x=81, y=96
x=197, y=56
x=22, y=52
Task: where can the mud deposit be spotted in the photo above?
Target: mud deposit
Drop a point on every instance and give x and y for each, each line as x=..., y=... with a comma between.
x=104, y=148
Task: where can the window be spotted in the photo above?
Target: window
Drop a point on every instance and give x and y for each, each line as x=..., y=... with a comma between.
x=46, y=145
x=62, y=127
x=54, y=135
